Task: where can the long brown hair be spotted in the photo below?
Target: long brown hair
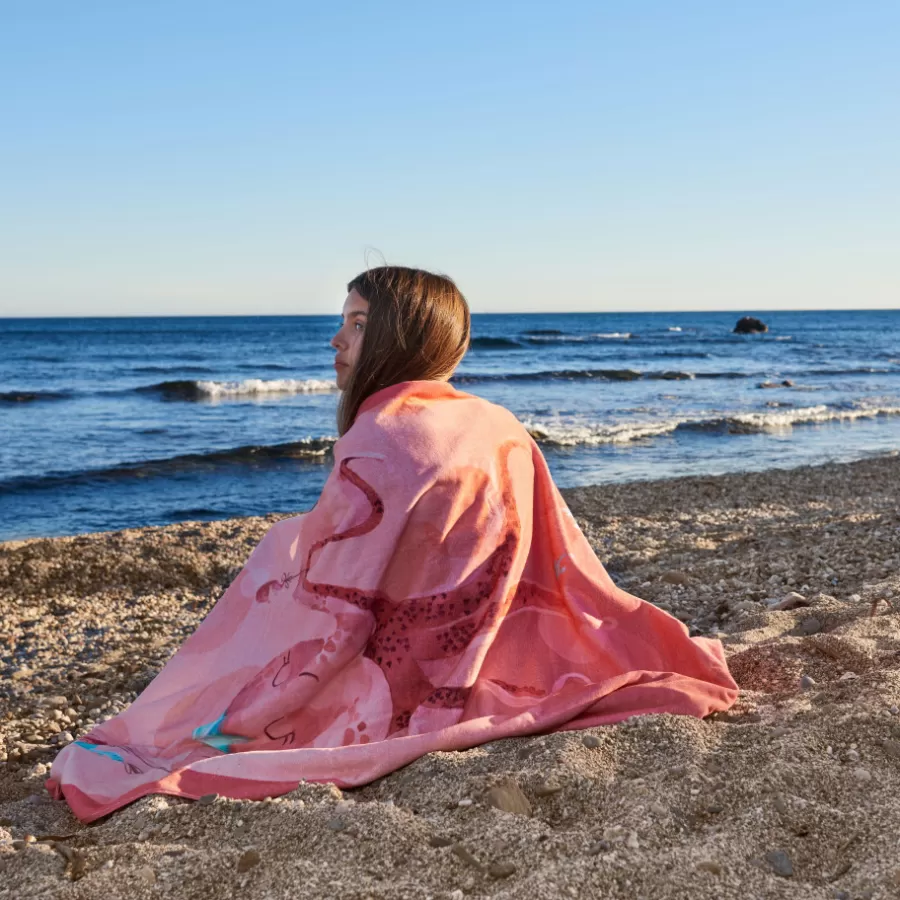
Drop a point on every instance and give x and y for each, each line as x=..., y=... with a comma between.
x=417, y=329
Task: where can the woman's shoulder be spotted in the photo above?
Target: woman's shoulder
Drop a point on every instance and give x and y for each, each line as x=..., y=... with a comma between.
x=430, y=413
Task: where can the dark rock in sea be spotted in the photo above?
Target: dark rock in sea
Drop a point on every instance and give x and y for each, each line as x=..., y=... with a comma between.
x=750, y=325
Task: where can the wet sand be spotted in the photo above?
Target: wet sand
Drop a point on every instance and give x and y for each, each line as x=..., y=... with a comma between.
x=794, y=793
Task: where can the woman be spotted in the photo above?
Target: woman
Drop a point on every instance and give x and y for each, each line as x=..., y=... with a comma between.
x=438, y=596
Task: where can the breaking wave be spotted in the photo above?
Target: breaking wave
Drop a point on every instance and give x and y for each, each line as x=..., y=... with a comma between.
x=12, y=397
x=593, y=375
x=560, y=338
x=592, y=434
x=252, y=387
x=495, y=343
x=310, y=449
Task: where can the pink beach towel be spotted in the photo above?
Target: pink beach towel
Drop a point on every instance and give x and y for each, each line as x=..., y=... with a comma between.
x=438, y=596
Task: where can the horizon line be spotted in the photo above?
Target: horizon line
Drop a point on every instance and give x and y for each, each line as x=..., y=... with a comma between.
x=614, y=312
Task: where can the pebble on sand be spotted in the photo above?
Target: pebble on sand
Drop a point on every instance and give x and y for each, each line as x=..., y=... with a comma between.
x=248, y=859
x=508, y=796
x=780, y=862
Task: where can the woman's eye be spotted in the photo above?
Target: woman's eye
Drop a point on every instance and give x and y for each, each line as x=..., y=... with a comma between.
x=358, y=326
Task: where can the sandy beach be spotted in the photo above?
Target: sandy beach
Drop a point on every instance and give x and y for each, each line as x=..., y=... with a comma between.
x=794, y=793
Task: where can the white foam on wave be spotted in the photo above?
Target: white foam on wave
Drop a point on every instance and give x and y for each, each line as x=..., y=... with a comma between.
x=570, y=435
x=811, y=414
x=254, y=387
x=674, y=328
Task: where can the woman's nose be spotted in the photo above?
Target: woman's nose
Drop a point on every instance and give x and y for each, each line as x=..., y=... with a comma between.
x=336, y=341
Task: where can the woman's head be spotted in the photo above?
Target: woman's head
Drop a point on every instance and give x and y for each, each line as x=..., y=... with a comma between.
x=398, y=325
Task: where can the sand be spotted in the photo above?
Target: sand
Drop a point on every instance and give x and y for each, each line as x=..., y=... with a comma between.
x=794, y=793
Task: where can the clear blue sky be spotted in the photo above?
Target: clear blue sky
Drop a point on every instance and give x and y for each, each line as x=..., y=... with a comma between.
x=234, y=158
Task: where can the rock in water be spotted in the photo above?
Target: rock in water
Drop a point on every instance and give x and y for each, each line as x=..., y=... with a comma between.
x=750, y=325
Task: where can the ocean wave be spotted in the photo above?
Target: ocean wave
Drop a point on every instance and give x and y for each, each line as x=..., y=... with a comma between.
x=167, y=370
x=313, y=449
x=674, y=328
x=562, y=435
x=12, y=397
x=593, y=375
x=542, y=331
x=265, y=367
x=252, y=387
x=751, y=423
x=593, y=434
x=495, y=343
x=861, y=370
x=578, y=338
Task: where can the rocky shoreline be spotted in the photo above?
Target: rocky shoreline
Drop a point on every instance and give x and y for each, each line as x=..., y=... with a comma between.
x=793, y=793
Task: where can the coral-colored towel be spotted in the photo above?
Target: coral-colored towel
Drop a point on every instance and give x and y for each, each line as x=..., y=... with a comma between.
x=438, y=596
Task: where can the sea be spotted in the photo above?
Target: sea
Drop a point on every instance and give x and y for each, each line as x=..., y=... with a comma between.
x=109, y=423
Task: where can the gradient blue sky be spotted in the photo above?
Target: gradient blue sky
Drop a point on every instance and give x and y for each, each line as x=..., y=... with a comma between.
x=234, y=158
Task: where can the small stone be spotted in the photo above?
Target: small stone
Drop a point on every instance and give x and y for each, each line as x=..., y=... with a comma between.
x=632, y=840
x=146, y=874
x=657, y=808
x=780, y=862
x=675, y=577
x=547, y=789
x=463, y=853
x=591, y=741
x=709, y=865
x=249, y=859
x=894, y=710
x=466, y=801
x=508, y=796
x=848, y=676
x=438, y=840
x=793, y=600
x=208, y=799
x=851, y=755
x=862, y=775
x=56, y=700
x=337, y=824
x=891, y=748
x=501, y=870
x=806, y=683
x=599, y=847
x=810, y=625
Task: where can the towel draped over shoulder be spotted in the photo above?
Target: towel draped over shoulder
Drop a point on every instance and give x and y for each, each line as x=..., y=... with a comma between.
x=438, y=596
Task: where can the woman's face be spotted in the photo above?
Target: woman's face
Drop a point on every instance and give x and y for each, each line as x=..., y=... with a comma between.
x=348, y=341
